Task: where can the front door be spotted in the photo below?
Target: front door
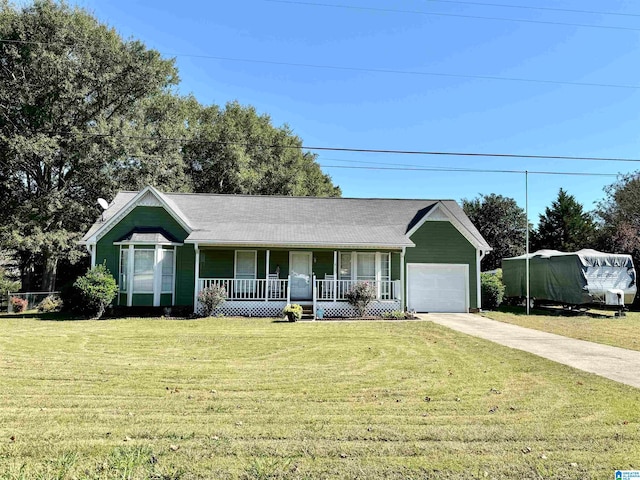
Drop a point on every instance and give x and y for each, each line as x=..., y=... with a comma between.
x=301, y=277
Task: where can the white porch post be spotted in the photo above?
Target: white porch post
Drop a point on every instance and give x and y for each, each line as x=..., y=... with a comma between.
x=157, y=275
x=130, y=262
x=335, y=275
x=197, y=279
x=289, y=289
x=93, y=248
x=378, y=271
x=266, y=276
x=402, y=286
x=314, y=294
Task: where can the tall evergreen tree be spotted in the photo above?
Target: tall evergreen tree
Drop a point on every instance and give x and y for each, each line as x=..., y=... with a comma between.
x=564, y=226
x=502, y=223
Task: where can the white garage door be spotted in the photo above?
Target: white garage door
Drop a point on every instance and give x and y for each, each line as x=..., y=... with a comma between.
x=434, y=287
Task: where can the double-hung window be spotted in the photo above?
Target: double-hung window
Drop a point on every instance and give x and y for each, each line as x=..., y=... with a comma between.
x=143, y=265
x=366, y=267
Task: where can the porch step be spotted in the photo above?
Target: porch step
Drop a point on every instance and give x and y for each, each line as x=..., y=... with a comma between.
x=307, y=312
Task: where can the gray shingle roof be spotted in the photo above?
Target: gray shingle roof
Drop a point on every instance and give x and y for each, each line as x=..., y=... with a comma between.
x=275, y=220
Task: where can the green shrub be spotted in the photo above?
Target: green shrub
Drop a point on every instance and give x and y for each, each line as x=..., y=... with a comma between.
x=98, y=289
x=492, y=290
x=360, y=296
x=51, y=303
x=395, y=315
x=211, y=298
x=293, y=311
x=18, y=304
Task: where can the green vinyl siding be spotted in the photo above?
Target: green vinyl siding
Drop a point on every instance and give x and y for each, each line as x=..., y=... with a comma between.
x=185, y=274
x=142, y=300
x=216, y=263
x=441, y=242
x=107, y=252
x=322, y=264
x=395, y=265
x=279, y=258
x=165, y=300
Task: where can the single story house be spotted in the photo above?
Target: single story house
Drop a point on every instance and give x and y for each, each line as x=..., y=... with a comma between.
x=267, y=251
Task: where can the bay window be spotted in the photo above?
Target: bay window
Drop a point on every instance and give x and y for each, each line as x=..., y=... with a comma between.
x=146, y=270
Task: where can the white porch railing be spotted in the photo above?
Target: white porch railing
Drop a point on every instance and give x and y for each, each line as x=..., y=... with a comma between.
x=248, y=289
x=278, y=289
x=337, y=289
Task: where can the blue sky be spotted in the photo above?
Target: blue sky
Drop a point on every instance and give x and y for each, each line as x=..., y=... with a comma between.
x=338, y=107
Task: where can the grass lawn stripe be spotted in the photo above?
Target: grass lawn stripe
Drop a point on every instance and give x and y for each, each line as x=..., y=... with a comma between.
x=249, y=398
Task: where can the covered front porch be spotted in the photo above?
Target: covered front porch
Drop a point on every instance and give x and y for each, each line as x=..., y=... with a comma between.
x=260, y=282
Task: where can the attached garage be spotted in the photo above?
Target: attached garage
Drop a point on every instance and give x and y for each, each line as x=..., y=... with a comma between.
x=436, y=287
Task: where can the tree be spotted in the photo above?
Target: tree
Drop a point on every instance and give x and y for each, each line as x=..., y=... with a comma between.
x=69, y=84
x=235, y=150
x=619, y=216
x=84, y=113
x=502, y=223
x=564, y=226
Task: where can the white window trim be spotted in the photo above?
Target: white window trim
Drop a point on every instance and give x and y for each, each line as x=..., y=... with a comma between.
x=255, y=262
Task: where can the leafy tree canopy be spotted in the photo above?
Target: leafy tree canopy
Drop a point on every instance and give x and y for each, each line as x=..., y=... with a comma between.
x=619, y=216
x=502, y=223
x=564, y=226
x=236, y=150
x=85, y=113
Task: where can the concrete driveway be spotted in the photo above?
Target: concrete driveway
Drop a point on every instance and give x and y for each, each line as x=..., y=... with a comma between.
x=615, y=363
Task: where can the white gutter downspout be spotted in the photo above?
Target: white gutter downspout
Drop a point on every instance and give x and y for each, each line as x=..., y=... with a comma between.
x=480, y=255
x=402, y=285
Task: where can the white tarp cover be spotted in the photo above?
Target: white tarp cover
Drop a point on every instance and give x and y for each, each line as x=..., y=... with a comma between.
x=573, y=278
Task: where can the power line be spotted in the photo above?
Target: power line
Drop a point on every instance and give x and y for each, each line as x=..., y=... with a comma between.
x=361, y=150
x=549, y=9
x=473, y=170
x=374, y=70
x=454, y=15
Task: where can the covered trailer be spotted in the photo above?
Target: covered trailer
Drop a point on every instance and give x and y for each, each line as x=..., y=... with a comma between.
x=572, y=278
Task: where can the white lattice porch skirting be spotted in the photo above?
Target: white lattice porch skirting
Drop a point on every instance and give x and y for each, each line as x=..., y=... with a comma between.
x=343, y=309
x=245, y=308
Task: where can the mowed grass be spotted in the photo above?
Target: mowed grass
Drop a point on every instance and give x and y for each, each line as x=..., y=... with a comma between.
x=621, y=332
x=250, y=398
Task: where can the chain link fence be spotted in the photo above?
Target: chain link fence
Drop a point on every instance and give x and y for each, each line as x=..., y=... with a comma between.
x=33, y=299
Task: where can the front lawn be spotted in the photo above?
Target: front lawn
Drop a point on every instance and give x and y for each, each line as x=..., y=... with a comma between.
x=621, y=332
x=250, y=398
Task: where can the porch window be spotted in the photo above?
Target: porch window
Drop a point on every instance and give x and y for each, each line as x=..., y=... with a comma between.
x=366, y=267
x=345, y=266
x=246, y=264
